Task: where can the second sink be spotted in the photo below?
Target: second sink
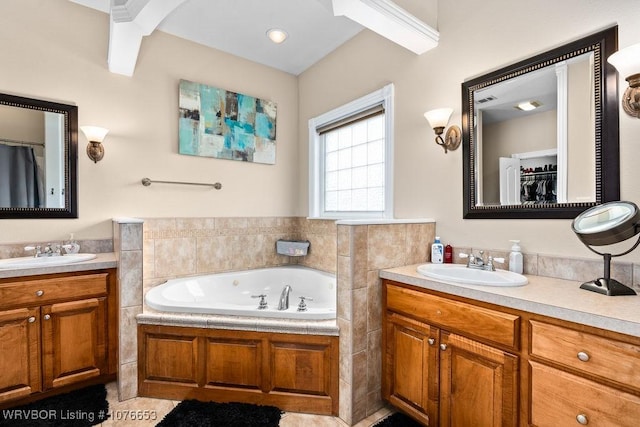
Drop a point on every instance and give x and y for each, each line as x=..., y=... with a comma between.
x=461, y=274
x=45, y=261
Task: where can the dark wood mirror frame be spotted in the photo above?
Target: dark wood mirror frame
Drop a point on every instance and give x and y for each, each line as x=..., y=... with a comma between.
x=603, y=44
x=70, y=114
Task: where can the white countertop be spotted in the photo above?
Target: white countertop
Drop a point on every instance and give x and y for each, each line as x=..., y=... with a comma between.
x=104, y=260
x=562, y=299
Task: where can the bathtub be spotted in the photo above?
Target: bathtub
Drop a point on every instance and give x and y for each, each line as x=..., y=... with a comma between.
x=233, y=293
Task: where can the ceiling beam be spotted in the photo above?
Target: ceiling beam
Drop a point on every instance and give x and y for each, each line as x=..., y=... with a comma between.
x=390, y=21
x=130, y=21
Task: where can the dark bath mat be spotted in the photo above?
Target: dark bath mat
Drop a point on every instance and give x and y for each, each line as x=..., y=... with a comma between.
x=397, y=419
x=193, y=413
x=80, y=408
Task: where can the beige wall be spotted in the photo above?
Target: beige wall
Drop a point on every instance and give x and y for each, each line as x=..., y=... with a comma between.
x=475, y=37
x=57, y=50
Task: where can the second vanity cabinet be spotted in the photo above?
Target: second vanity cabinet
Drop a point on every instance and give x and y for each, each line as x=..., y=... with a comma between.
x=56, y=331
x=452, y=361
x=428, y=362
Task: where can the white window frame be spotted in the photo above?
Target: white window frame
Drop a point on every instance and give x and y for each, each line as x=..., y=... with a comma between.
x=382, y=96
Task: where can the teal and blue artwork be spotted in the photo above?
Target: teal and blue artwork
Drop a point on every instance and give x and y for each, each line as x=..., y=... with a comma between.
x=226, y=125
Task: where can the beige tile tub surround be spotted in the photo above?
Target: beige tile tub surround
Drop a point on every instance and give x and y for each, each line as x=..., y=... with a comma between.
x=362, y=251
x=178, y=247
x=127, y=242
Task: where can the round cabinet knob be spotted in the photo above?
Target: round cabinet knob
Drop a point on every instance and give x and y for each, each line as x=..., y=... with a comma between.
x=39, y=293
x=584, y=357
x=431, y=341
x=582, y=419
x=47, y=316
x=31, y=319
x=443, y=347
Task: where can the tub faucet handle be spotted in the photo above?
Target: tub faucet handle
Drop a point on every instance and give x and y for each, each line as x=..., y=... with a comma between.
x=262, y=305
x=303, y=305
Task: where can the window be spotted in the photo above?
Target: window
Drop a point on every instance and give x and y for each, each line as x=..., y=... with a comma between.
x=350, y=159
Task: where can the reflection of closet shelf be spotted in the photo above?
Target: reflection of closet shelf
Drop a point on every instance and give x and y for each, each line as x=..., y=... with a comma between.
x=16, y=142
x=524, y=175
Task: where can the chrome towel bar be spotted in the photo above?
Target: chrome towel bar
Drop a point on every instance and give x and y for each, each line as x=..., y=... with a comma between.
x=147, y=182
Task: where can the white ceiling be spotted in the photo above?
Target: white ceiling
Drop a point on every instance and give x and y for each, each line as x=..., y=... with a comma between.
x=239, y=27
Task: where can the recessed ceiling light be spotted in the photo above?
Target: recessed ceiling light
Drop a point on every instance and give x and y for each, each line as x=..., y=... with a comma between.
x=528, y=105
x=277, y=36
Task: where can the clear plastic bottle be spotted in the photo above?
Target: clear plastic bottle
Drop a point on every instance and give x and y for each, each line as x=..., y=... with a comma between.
x=437, y=251
x=71, y=247
x=515, y=257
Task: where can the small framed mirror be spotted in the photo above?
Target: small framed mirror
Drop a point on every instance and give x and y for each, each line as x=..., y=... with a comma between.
x=540, y=137
x=38, y=158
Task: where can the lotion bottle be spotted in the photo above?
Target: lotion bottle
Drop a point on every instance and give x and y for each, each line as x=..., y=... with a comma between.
x=437, y=252
x=515, y=257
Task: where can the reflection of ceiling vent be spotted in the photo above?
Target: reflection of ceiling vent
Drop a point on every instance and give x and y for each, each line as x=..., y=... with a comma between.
x=487, y=99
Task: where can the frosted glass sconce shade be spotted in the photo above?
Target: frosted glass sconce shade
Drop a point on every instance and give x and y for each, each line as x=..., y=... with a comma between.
x=438, y=119
x=95, y=135
x=627, y=62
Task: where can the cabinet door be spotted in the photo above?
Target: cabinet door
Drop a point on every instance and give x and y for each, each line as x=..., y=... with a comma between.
x=410, y=380
x=478, y=384
x=19, y=353
x=73, y=341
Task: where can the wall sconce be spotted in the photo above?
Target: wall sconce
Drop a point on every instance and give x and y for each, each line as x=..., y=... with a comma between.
x=627, y=62
x=438, y=119
x=95, y=135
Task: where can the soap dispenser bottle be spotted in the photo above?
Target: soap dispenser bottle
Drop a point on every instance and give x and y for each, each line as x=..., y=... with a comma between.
x=515, y=257
x=437, y=252
x=72, y=247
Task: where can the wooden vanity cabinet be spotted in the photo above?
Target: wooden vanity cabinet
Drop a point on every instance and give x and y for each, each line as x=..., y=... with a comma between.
x=56, y=332
x=441, y=363
x=452, y=361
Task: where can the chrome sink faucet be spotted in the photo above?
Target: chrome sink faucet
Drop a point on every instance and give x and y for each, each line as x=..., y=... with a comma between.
x=47, y=251
x=479, y=263
x=283, y=303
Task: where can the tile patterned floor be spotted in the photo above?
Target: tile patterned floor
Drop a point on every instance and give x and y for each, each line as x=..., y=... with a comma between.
x=122, y=412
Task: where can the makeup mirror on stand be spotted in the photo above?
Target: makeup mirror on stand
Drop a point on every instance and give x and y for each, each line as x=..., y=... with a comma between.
x=608, y=224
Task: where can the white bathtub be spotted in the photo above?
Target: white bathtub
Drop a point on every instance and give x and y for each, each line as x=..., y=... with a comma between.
x=231, y=293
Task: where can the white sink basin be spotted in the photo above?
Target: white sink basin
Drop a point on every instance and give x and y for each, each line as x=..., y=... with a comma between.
x=32, y=262
x=461, y=274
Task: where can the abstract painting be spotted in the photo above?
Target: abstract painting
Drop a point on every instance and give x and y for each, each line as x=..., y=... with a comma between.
x=226, y=125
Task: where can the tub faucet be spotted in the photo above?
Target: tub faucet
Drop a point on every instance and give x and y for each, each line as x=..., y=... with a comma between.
x=283, y=304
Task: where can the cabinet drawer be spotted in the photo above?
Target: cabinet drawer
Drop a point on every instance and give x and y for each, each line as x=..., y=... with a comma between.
x=614, y=360
x=41, y=291
x=456, y=316
x=561, y=399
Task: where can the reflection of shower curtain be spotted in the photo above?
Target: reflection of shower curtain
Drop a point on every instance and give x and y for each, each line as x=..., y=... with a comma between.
x=19, y=184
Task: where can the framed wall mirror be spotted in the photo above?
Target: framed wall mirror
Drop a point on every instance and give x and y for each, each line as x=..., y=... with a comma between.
x=38, y=158
x=540, y=137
